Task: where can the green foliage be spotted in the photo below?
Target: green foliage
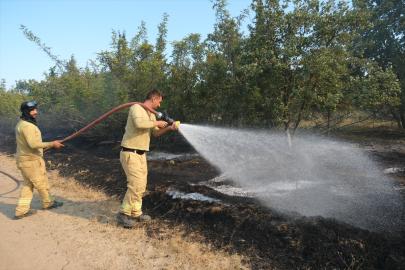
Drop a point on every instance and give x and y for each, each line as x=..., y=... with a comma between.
x=10, y=101
x=202, y=80
x=300, y=61
x=137, y=65
x=320, y=58
x=384, y=43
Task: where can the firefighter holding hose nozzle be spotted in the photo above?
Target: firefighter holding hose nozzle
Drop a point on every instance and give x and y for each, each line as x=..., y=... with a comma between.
x=141, y=123
x=30, y=162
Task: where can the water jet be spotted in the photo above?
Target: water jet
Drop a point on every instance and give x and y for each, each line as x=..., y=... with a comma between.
x=314, y=177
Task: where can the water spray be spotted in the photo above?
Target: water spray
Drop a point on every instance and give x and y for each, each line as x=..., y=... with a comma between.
x=163, y=116
x=316, y=177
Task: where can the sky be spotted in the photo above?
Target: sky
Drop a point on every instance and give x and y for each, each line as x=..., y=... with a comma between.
x=84, y=28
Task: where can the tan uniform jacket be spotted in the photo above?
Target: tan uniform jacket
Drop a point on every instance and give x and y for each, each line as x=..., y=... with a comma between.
x=29, y=142
x=139, y=128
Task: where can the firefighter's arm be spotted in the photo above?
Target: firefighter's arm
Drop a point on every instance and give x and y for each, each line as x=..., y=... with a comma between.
x=136, y=115
x=158, y=132
x=29, y=133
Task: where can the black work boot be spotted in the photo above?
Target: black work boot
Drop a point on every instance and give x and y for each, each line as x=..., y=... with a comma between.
x=126, y=221
x=142, y=218
x=54, y=205
x=29, y=213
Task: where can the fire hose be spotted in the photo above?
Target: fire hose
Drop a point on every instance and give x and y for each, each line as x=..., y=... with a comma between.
x=159, y=115
x=15, y=179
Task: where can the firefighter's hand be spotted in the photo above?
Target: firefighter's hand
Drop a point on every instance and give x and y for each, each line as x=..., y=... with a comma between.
x=57, y=144
x=161, y=124
x=174, y=126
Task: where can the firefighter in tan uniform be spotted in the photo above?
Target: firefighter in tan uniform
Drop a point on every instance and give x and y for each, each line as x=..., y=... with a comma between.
x=140, y=125
x=29, y=161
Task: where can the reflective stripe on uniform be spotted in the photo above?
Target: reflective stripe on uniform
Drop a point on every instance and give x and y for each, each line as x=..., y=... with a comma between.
x=137, y=206
x=126, y=206
x=49, y=199
x=24, y=201
x=23, y=125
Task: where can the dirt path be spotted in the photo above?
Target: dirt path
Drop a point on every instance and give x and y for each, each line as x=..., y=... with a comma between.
x=29, y=243
x=83, y=234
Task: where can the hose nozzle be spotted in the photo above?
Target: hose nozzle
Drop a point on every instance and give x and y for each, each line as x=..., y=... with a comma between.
x=165, y=117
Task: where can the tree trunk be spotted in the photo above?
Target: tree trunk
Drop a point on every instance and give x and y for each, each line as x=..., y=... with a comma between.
x=287, y=131
x=402, y=115
x=297, y=124
x=398, y=118
x=328, y=126
x=374, y=118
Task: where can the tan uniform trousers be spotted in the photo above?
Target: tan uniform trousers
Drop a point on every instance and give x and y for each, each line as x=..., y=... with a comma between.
x=136, y=170
x=34, y=175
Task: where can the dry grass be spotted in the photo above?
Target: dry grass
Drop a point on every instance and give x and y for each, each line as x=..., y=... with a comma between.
x=368, y=130
x=72, y=189
x=85, y=228
x=376, y=132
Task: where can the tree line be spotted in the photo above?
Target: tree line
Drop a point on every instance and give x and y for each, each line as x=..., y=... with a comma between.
x=315, y=60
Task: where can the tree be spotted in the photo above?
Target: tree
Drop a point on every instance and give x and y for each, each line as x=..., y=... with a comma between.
x=137, y=64
x=184, y=79
x=302, y=61
x=161, y=39
x=10, y=101
x=384, y=43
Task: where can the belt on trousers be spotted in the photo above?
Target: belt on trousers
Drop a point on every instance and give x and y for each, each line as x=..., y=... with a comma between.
x=139, y=152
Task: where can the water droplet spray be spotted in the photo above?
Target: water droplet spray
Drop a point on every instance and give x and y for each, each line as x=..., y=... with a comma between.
x=313, y=177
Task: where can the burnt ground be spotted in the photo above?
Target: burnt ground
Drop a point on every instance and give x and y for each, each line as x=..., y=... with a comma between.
x=267, y=239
